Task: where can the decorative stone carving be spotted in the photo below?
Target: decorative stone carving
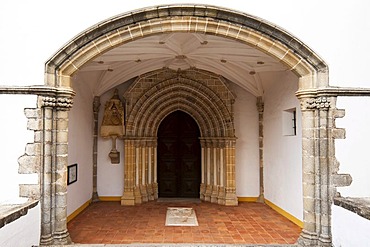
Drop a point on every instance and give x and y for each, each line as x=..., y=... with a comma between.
x=113, y=125
x=59, y=102
x=317, y=103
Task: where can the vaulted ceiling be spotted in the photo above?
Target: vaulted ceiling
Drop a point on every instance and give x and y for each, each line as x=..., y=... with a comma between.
x=233, y=60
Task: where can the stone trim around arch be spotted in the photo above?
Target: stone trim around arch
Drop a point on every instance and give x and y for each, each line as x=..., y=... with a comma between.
x=201, y=94
x=258, y=33
x=205, y=97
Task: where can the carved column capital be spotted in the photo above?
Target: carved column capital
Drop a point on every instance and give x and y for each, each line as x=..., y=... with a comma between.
x=62, y=103
x=321, y=103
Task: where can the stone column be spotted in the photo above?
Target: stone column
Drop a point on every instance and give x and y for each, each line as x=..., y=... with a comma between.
x=54, y=178
x=138, y=174
x=230, y=197
x=203, y=172
x=96, y=106
x=215, y=166
x=260, y=108
x=221, y=188
x=46, y=237
x=316, y=129
x=128, y=197
x=208, y=192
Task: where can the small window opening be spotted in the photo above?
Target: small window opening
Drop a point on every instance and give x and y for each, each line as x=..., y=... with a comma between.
x=290, y=122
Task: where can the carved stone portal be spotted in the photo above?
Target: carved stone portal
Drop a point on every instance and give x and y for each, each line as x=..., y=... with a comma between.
x=113, y=125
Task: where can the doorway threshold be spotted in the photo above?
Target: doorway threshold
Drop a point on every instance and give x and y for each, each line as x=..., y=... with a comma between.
x=177, y=245
x=178, y=199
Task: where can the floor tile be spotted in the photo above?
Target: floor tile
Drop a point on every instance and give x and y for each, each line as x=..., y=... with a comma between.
x=247, y=223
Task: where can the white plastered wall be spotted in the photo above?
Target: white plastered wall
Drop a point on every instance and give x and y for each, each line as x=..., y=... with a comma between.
x=282, y=153
x=356, y=160
x=247, y=149
x=349, y=229
x=23, y=232
x=80, y=144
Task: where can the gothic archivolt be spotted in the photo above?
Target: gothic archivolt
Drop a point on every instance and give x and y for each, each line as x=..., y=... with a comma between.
x=204, y=96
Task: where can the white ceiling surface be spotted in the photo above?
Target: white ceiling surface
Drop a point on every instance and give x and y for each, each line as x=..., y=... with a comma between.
x=233, y=60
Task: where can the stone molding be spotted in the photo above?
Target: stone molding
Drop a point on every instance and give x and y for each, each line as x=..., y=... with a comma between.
x=11, y=212
x=359, y=206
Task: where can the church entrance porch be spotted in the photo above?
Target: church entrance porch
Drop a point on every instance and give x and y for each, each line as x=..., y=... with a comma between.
x=247, y=223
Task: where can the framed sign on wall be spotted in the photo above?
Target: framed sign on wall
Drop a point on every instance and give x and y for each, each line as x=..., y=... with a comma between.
x=72, y=174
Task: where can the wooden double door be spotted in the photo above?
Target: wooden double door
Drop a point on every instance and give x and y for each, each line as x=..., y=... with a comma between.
x=179, y=156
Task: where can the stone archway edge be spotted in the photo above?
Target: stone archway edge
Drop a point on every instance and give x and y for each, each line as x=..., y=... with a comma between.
x=202, y=11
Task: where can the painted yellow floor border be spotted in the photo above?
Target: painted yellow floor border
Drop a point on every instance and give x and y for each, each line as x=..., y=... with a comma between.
x=86, y=204
x=285, y=213
x=110, y=198
x=78, y=211
x=274, y=207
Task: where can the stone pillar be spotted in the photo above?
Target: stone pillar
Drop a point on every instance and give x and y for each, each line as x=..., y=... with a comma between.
x=96, y=106
x=203, y=172
x=128, y=197
x=215, y=161
x=316, y=160
x=208, y=192
x=230, y=197
x=46, y=237
x=260, y=108
x=54, y=167
x=155, y=181
x=221, y=188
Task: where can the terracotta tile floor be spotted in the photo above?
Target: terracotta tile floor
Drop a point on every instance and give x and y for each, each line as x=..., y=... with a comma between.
x=248, y=223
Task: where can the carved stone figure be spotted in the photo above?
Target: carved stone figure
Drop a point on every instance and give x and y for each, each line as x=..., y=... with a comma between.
x=113, y=125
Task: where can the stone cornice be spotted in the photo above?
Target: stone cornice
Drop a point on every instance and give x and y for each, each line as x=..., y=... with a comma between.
x=333, y=91
x=37, y=90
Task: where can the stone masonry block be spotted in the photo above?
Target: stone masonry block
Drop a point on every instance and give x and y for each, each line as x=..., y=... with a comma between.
x=34, y=124
x=33, y=148
x=339, y=113
x=342, y=180
x=32, y=113
x=29, y=190
x=339, y=133
x=28, y=164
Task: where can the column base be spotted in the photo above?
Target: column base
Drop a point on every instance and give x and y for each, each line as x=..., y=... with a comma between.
x=128, y=199
x=144, y=193
x=231, y=199
x=137, y=194
x=155, y=191
x=95, y=197
x=202, y=191
x=261, y=199
x=150, y=192
x=221, y=196
x=308, y=239
x=214, y=195
x=62, y=238
x=208, y=193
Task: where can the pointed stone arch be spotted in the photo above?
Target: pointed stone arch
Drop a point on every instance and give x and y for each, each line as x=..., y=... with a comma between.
x=211, y=108
x=202, y=95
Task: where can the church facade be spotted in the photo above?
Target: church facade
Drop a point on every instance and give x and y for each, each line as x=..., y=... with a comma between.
x=242, y=107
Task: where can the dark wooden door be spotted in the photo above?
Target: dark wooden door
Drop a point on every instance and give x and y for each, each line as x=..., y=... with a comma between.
x=179, y=156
